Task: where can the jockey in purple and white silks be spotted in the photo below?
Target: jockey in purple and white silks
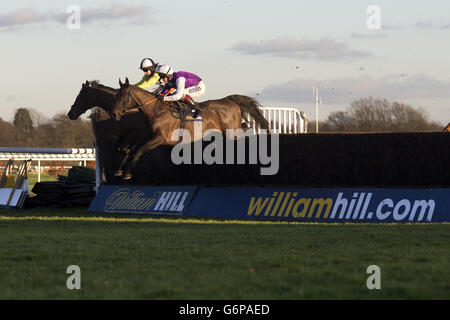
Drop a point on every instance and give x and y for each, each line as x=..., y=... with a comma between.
x=187, y=85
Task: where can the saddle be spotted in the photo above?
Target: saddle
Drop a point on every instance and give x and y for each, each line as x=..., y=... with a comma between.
x=184, y=111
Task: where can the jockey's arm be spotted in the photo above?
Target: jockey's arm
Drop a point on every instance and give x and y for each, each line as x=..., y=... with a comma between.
x=181, y=82
x=158, y=90
x=147, y=82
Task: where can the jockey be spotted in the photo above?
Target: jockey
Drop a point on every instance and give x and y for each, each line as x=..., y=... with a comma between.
x=150, y=77
x=187, y=85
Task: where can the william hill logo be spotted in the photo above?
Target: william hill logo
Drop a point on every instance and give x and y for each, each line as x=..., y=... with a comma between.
x=358, y=207
x=276, y=206
x=136, y=201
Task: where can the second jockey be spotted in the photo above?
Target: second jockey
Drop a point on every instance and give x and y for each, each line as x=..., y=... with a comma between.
x=186, y=84
x=150, y=77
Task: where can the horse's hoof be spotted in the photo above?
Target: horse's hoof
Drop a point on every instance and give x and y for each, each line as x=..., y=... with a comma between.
x=118, y=173
x=127, y=176
x=124, y=150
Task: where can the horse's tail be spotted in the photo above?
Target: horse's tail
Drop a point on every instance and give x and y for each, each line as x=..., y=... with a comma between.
x=250, y=108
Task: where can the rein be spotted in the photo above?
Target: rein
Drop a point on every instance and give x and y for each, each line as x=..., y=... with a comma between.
x=136, y=109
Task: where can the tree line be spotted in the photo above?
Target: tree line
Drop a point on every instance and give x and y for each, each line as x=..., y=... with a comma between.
x=31, y=129
x=377, y=115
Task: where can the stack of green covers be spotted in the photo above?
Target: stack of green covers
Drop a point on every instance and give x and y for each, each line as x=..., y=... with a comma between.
x=77, y=189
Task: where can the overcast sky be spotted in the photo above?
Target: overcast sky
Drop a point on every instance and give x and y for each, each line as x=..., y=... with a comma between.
x=275, y=51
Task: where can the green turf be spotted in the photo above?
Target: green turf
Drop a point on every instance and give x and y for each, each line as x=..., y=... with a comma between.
x=158, y=259
x=33, y=178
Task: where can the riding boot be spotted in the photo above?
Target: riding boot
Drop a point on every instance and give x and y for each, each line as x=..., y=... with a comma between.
x=197, y=109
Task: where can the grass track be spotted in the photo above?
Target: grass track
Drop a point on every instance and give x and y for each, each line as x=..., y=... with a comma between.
x=137, y=257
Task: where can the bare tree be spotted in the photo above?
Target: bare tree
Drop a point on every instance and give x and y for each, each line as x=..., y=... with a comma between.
x=72, y=133
x=379, y=115
x=7, y=134
x=37, y=117
x=23, y=127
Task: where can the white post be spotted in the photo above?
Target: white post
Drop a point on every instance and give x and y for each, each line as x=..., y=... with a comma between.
x=98, y=169
x=317, y=110
x=39, y=170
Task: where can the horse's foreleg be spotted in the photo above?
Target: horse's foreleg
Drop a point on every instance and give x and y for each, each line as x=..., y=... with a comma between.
x=126, y=145
x=150, y=145
x=124, y=161
x=132, y=149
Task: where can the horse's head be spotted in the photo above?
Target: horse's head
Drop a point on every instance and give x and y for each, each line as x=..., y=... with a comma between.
x=83, y=102
x=124, y=100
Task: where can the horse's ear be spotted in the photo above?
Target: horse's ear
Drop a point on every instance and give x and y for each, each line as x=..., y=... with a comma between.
x=120, y=83
x=87, y=83
x=127, y=83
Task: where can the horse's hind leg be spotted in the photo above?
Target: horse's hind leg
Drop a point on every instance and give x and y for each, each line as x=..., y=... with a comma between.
x=152, y=144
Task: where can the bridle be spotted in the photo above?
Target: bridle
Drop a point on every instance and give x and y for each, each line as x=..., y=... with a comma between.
x=124, y=111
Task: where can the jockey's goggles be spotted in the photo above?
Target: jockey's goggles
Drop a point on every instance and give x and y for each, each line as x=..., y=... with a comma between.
x=146, y=69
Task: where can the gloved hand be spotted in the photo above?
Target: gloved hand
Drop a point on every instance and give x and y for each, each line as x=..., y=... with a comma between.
x=160, y=97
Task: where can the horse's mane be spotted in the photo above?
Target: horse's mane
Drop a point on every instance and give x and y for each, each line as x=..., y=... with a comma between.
x=140, y=89
x=97, y=84
x=94, y=82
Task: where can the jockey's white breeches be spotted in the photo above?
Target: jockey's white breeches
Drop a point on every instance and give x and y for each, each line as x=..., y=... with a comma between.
x=195, y=91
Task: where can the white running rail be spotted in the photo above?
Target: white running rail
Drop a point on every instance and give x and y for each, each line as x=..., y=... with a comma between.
x=283, y=120
x=48, y=154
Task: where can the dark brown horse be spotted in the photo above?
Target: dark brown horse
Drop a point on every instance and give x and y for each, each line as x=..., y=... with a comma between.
x=221, y=114
x=92, y=94
x=130, y=131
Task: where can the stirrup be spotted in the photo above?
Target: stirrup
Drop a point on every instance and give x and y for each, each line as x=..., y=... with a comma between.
x=195, y=106
x=196, y=111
